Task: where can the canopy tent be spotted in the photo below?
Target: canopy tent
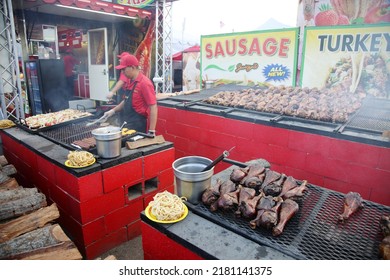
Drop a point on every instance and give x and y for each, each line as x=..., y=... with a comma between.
x=179, y=55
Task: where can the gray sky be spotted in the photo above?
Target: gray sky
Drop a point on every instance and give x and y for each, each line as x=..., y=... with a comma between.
x=205, y=17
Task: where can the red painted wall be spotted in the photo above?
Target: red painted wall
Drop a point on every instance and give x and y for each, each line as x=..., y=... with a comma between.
x=158, y=246
x=327, y=162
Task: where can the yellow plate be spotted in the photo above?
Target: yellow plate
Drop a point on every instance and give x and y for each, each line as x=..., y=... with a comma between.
x=67, y=163
x=148, y=213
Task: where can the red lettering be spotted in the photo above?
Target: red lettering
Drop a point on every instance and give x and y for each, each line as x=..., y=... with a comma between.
x=284, y=42
x=269, y=46
x=218, y=50
x=242, y=46
x=209, y=51
x=255, y=47
x=232, y=51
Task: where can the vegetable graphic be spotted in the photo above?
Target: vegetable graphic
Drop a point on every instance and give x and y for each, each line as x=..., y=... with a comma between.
x=378, y=14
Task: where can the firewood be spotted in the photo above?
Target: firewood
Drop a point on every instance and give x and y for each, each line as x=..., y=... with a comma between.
x=15, y=194
x=3, y=177
x=47, y=243
x=3, y=160
x=11, y=184
x=32, y=221
x=9, y=170
x=16, y=208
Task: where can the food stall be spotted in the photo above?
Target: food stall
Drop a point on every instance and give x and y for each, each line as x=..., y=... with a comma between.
x=331, y=131
x=332, y=152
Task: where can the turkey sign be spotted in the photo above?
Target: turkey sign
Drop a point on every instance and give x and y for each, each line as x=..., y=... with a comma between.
x=353, y=58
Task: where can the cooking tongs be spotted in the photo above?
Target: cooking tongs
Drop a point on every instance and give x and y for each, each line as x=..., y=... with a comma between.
x=101, y=120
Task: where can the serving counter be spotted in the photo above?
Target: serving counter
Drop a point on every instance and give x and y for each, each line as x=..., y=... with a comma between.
x=100, y=204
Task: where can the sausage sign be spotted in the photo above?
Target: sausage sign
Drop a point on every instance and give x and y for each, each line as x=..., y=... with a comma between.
x=250, y=58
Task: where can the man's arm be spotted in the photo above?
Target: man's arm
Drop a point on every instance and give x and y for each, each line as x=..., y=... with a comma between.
x=117, y=86
x=153, y=117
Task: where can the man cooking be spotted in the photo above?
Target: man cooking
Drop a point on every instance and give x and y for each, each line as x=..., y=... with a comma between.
x=140, y=98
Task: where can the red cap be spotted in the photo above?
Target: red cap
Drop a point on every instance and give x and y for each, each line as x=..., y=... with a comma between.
x=127, y=61
x=123, y=54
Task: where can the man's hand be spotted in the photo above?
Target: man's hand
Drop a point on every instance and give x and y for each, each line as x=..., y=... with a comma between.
x=152, y=132
x=109, y=114
x=110, y=95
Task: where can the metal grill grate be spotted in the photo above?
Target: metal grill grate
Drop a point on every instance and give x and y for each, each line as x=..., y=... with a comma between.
x=70, y=133
x=376, y=119
x=313, y=233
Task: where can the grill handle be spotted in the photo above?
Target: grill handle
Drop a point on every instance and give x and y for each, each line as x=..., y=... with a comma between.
x=234, y=162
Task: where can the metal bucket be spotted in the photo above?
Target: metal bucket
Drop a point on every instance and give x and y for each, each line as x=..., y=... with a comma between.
x=190, y=181
x=108, y=141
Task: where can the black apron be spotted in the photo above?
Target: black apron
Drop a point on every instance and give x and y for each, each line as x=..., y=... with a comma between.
x=134, y=120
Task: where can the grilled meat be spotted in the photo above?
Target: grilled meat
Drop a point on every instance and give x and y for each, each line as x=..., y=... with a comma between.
x=334, y=103
x=352, y=203
x=244, y=195
x=384, y=248
x=226, y=187
x=287, y=211
x=270, y=176
x=268, y=217
x=289, y=184
x=238, y=174
x=384, y=224
x=265, y=203
x=296, y=192
x=248, y=207
x=275, y=187
x=254, y=177
x=253, y=182
x=228, y=200
x=211, y=194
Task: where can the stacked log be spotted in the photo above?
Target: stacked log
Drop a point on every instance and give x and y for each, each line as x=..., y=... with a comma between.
x=27, y=225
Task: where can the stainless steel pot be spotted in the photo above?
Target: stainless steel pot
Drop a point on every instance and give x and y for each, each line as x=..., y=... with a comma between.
x=190, y=180
x=108, y=141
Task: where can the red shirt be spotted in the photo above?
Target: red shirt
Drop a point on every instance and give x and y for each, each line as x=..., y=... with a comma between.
x=143, y=95
x=69, y=62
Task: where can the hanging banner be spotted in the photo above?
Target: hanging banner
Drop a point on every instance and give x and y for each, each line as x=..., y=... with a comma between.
x=250, y=58
x=134, y=3
x=350, y=58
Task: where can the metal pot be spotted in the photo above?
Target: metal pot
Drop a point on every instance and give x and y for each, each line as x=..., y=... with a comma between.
x=190, y=180
x=108, y=141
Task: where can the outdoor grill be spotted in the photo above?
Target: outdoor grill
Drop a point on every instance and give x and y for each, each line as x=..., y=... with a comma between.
x=314, y=233
x=372, y=117
x=66, y=134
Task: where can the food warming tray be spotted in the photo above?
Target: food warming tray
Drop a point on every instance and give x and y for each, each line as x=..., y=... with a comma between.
x=313, y=232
